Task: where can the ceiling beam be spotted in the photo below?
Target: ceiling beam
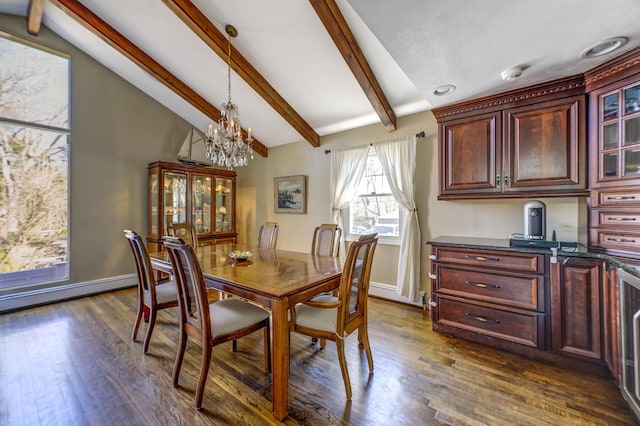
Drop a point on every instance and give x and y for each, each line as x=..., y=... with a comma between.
x=218, y=42
x=337, y=27
x=34, y=16
x=96, y=25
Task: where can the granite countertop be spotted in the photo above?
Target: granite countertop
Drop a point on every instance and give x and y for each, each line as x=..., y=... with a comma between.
x=567, y=249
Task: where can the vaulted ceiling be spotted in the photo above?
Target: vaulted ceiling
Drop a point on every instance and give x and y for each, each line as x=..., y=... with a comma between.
x=303, y=69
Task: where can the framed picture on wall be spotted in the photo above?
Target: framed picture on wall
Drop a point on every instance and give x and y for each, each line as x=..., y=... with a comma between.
x=290, y=194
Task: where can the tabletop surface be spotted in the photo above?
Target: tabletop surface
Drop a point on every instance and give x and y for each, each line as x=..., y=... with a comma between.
x=268, y=271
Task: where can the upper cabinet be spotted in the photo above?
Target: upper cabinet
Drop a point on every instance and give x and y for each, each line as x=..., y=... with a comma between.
x=524, y=143
x=201, y=196
x=614, y=130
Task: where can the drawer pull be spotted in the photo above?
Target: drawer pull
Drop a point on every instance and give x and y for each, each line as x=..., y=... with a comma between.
x=482, y=258
x=482, y=319
x=433, y=276
x=621, y=240
x=481, y=285
x=433, y=257
x=621, y=197
x=621, y=219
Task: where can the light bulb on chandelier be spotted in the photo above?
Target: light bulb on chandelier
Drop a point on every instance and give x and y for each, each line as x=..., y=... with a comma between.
x=225, y=145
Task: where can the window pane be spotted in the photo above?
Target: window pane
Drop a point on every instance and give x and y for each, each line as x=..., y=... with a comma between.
x=34, y=85
x=33, y=200
x=375, y=209
x=34, y=189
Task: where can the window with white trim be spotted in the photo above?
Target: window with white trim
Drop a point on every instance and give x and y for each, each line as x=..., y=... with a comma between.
x=374, y=209
x=34, y=156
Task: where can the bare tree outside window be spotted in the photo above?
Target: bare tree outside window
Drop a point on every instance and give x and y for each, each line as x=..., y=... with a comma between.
x=375, y=209
x=34, y=133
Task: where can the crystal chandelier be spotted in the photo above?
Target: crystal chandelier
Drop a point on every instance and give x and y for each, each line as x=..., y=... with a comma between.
x=224, y=144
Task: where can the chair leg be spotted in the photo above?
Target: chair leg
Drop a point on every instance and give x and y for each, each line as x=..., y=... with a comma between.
x=267, y=347
x=204, y=371
x=136, y=324
x=343, y=367
x=147, y=337
x=182, y=345
x=234, y=345
x=364, y=336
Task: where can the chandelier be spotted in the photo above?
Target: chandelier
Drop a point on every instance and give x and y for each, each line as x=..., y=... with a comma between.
x=224, y=144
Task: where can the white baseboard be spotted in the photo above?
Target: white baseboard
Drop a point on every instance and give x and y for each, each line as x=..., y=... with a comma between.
x=68, y=291
x=387, y=291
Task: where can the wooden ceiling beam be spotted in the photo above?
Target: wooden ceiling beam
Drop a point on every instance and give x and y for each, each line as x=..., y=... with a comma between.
x=218, y=42
x=34, y=16
x=97, y=26
x=337, y=27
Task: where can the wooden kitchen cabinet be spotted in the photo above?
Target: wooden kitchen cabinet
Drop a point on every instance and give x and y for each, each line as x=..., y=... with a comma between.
x=576, y=307
x=525, y=143
x=489, y=295
x=198, y=195
x=614, y=147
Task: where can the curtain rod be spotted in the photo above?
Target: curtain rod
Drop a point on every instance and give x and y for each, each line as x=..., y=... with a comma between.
x=419, y=135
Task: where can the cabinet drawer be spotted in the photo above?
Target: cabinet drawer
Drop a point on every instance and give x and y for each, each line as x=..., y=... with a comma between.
x=615, y=197
x=520, y=262
x=615, y=240
x=517, y=290
x=526, y=328
x=615, y=218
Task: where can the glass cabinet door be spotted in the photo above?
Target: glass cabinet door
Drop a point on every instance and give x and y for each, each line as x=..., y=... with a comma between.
x=153, y=204
x=224, y=205
x=201, y=203
x=620, y=134
x=175, y=198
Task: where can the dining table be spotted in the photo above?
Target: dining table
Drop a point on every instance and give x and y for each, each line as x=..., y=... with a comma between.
x=272, y=278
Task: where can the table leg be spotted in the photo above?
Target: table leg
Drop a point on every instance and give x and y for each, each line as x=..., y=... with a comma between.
x=280, y=358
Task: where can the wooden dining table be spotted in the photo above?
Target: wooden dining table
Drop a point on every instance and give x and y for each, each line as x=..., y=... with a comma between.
x=274, y=279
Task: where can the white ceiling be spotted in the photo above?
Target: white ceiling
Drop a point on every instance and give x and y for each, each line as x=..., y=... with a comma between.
x=412, y=46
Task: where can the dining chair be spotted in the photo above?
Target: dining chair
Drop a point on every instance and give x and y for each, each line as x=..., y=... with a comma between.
x=212, y=323
x=336, y=317
x=326, y=240
x=268, y=235
x=186, y=231
x=153, y=294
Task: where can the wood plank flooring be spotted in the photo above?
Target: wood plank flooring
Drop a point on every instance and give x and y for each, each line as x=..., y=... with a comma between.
x=74, y=363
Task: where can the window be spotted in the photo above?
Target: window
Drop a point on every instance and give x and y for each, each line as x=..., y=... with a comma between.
x=34, y=146
x=374, y=209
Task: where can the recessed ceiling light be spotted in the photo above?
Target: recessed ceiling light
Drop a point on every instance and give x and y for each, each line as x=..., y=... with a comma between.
x=603, y=47
x=445, y=89
x=512, y=73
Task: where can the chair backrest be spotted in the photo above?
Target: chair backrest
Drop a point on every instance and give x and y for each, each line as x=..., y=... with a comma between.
x=268, y=235
x=354, y=283
x=326, y=240
x=146, y=280
x=192, y=290
x=186, y=231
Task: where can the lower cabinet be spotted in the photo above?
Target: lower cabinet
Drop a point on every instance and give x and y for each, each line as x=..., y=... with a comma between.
x=576, y=301
x=495, y=294
x=523, y=301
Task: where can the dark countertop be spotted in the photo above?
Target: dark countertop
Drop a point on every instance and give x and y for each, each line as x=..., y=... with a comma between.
x=565, y=249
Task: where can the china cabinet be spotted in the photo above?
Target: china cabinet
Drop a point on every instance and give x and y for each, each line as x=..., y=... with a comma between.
x=201, y=196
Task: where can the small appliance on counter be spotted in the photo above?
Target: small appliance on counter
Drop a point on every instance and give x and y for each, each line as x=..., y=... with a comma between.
x=535, y=227
x=535, y=220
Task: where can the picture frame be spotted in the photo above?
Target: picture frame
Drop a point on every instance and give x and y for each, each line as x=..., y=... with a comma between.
x=290, y=194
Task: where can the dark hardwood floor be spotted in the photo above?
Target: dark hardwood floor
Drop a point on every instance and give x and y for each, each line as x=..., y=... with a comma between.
x=74, y=363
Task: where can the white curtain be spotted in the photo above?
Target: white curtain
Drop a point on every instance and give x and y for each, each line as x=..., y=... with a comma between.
x=347, y=168
x=398, y=159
